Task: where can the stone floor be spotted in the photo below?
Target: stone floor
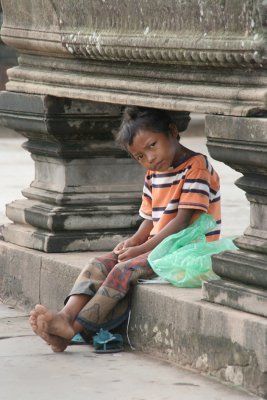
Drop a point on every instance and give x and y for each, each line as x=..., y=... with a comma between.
x=30, y=371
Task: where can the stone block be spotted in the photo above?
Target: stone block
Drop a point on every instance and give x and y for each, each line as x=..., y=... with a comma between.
x=20, y=273
x=176, y=325
x=57, y=278
x=236, y=295
x=28, y=277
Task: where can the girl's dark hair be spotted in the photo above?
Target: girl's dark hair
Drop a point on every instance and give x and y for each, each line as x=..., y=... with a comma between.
x=139, y=118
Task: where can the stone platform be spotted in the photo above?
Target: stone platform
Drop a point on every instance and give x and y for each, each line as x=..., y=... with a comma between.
x=29, y=361
x=170, y=323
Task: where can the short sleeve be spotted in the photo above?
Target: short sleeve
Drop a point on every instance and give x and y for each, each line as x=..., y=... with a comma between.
x=145, y=210
x=195, y=192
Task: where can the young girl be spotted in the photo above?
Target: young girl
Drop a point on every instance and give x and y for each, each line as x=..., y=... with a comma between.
x=179, y=185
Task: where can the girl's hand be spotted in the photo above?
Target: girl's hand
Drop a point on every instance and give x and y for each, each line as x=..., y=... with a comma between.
x=119, y=247
x=128, y=253
x=123, y=245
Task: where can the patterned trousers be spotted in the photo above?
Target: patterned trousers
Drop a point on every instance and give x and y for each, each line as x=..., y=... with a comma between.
x=108, y=283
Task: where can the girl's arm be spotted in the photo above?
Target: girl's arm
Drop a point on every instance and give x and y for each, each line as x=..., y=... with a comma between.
x=138, y=238
x=143, y=232
x=180, y=222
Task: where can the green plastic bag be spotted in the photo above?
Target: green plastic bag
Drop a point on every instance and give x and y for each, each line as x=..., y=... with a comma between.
x=184, y=259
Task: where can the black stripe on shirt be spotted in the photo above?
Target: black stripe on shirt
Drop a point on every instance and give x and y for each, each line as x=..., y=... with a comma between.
x=165, y=185
x=204, y=181
x=159, y=175
x=213, y=233
x=206, y=161
x=146, y=195
x=214, y=191
x=195, y=191
x=215, y=200
x=170, y=211
x=165, y=211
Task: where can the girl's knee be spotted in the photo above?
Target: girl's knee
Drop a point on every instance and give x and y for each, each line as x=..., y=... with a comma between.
x=89, y=265
x=122, y=266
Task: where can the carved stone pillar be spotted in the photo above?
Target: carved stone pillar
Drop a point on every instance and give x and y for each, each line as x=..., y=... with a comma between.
x=241, y=143
x=86, y=191
x=7, y=57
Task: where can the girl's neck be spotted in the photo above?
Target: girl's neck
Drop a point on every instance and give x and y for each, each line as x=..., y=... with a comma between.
x=182, y=154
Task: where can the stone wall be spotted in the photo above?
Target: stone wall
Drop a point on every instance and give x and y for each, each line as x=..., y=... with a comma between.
x=8, y=57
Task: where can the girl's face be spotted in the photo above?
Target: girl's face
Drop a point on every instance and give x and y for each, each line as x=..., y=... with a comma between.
x=155, y=151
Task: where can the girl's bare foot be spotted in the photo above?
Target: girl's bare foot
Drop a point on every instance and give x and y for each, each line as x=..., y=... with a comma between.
x=54, y=329
x=57, y=343
x=33, y=318
x=57, y=324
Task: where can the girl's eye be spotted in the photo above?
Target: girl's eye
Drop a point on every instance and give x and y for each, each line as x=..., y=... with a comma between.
x=153, y=145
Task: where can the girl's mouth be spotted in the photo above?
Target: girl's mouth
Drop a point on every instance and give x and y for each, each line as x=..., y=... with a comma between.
x=159, y=165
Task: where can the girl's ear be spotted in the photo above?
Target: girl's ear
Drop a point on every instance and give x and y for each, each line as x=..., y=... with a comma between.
x=174, y=131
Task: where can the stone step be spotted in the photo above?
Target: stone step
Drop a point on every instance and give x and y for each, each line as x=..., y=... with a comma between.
x=178, y=326
x=173, y=324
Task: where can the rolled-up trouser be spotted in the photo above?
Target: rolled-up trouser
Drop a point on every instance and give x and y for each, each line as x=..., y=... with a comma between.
x=107, y=283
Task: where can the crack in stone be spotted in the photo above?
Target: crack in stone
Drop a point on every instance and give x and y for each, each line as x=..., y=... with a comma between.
x=14, y=337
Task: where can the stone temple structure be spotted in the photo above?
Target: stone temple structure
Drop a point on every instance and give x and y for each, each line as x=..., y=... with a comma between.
x=79, y=63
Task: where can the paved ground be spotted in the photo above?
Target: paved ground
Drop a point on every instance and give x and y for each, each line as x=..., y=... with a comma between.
x=30, y=371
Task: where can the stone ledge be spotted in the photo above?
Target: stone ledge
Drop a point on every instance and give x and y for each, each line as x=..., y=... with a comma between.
x=174, y=324
x=28, y=277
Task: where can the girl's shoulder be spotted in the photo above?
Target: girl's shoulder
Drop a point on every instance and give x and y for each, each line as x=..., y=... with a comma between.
x=195, y=160
x=201, y=162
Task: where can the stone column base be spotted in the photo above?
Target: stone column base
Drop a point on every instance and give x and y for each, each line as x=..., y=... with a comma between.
x=241, y=143
x=242, y=297
x=86, y=191
x=39, y=239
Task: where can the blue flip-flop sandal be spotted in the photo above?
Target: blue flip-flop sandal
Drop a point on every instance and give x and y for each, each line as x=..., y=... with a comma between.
x=77, y=339
x=106, y=342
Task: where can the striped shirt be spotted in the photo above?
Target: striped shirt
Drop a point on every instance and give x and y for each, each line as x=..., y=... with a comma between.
x=192, y=184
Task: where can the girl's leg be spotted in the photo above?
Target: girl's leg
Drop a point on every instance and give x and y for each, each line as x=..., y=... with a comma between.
x=93, y=275
x=63, y=325
x=109, y=307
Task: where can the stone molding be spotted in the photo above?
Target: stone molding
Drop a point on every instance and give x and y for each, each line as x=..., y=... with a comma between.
x=181, y=33
x=240, y=143
x=204, y=56
x=241, y=52
x=203, y=91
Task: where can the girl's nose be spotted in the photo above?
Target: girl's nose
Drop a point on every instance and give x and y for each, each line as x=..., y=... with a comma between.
x=150, y=157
